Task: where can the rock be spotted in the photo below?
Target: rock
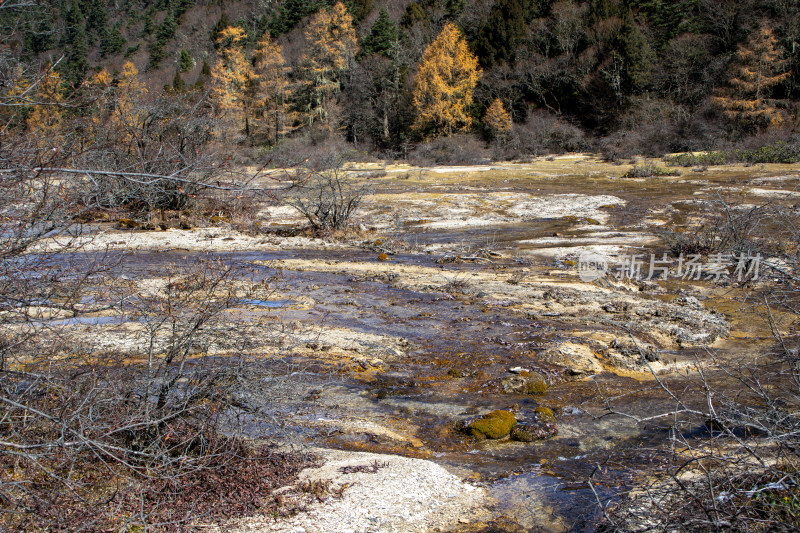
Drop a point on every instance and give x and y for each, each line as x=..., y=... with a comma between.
x=578, y=359
x=545, y=414
x=533, y=432
x=127, y=223
x=518, y=370
x=532, y=383
x=688, y=301
x=630, y=349
x=542, y=426
x=494, y=425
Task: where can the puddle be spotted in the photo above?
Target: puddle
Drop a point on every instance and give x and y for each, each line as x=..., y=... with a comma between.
x=87, y=321
x=271, y=304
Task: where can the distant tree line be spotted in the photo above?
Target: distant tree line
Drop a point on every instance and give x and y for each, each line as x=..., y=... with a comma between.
x=662, y=76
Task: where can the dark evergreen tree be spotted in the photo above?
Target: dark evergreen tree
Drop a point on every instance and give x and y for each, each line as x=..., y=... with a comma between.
x=76, y=46
x=185, y=61
x=166, y=30
x=637, y=55
x=359, y=8
x=383, y=36
x=178, y=85
x=112, y=41
x=221, y=24
x=292, y=12
x=501, y=34
x=148, y=28
x=454, y=8
x=414, y=14
x=605, y=9
x=668, y=19
x=96, y=19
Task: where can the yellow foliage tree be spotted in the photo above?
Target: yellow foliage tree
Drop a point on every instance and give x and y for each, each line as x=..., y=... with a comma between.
x=120, y=110
x=233, y=79
x=130, y=94
x=273, y=86
x=332, y=45
x=759, y=67
x=497, y=120
x=448, y=74
x=44, y=121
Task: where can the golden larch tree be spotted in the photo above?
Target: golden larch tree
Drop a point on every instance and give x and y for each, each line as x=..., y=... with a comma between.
x=759, y=67
x=44, y=121
x=332, y=46
x=130, y=94
x=448, y=74
x=120, y=105
x=234, y=81
x=497, y=120
x=273, y=85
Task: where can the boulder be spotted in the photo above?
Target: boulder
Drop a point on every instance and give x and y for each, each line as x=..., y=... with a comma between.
x=494, y=425
x=525, y=383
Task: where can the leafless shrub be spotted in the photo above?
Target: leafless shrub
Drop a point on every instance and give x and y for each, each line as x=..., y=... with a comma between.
x=453, y=150
x=135, y=433
x=542, y=133
x=726, y=229
x=456, y=284
x=318, y=150
x=327, y=199
x=737, y=455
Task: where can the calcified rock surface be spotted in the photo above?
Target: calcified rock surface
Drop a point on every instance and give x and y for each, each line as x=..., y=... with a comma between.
x=385, y=338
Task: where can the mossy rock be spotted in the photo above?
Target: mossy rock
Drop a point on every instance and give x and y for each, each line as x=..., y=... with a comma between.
x=545, y=414
x=219, y=219
x=494, y=425
x=536, y=384
x=532, y=383
x=383, y=257
x=127, y=223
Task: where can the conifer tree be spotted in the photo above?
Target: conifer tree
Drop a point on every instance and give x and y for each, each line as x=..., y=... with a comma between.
x=273, y=85
x=383, y=35
x=497, y=120
x=448, y=74
x=359, y=8
x=129, y=94
x=221, y=24
x=233, y=78
x=75, y=63
x=166, y=30
x=502, y=32
x=332, y=45
x=111, y=41
x=178, y=85
x=636, y=53
x=119, y=110
x=759, y=67
x=185, y=61
x=44, y=120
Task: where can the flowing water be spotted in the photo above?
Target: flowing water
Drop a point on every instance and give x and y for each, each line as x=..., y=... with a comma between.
x=461, y=339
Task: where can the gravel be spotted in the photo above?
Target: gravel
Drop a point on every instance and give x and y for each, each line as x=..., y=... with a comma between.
x=403, y=496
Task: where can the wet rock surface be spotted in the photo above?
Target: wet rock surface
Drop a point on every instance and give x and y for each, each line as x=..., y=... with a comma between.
x=476, y=308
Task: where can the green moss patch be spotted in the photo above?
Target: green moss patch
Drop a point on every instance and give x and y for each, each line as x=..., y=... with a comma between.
x=494, y=425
